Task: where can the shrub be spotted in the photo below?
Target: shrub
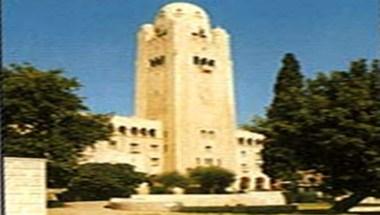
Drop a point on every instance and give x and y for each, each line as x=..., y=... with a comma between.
x=212, y=179
x=159, y=190
x=101, y=181
x=172, y=179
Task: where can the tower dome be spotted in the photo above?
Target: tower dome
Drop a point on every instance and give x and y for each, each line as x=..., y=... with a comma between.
x=181, y=10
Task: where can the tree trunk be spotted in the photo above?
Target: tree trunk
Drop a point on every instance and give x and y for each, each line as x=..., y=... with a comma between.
x=345, y=204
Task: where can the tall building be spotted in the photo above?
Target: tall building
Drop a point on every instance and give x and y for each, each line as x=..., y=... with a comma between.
x=184, y=103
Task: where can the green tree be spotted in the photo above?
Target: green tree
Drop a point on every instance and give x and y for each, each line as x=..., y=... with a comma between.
x=212, y=179
x=102, y=181
x=282, y=123
x=334, y=130
x=44, y=118
x=172, y=179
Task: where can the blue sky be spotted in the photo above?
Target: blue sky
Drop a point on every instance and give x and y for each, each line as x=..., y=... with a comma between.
x=94, y=40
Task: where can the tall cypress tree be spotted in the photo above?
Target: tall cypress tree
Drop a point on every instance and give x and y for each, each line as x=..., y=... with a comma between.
x=287, y=90
x=282, y=121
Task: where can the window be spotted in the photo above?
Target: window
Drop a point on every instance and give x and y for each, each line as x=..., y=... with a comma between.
x=241, y=140
x=154, y=147
x=250, y=141
x=208, y=148
x=154, y=162
x=134, y=148
x=152, y=132
x=122, y=129
x=243, y=153
x=134, y=131
x=112, y=144
x=209, y=161
x=157, y=61
x=203, y=61
x=196, y=60
x=211, y=62
x=198, y=161
x=143, y=131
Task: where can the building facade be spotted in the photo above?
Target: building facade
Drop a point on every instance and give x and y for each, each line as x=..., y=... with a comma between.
x=184, y=103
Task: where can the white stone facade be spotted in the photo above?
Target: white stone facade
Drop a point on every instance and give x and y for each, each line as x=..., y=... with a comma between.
x=185, y=94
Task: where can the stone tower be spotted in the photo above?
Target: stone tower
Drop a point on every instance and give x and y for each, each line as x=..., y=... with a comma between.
x=184, y=78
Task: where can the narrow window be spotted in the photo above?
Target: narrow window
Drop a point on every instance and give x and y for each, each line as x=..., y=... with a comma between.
x=241, y=140
x=208, y=148
x=152, y=63
x=152, y=132
x=219, y=162
x=154, y=162
x=208, y=161
x=196, y=60
x=211, y=62
x=134, y=148
x=198, y=161
x=112, y=144
x=250, y=141
x=122, y=129
x=204, y=61
x=154, y=147
x=143, y=132
x=134, y=131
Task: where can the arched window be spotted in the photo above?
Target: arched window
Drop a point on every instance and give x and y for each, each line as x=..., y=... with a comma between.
x=241, y=140
x=244, y=183
x=143, y=131
x=152, y=132
x=259, y=183
x=250, y=141
x=211, y=62
x=134, y=131
x=122, y=129
x=203, y=61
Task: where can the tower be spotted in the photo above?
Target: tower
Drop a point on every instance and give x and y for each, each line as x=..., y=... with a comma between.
x=184, y=78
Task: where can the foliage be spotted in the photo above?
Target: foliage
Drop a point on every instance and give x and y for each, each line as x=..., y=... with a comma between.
x=212, y=179
x=282, y=124
x=331, y=124
x=43, y=117
x=172, y=179
x=101, y=181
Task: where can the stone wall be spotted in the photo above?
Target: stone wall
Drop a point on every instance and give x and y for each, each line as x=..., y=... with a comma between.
x=25, y=186
x=168, y=202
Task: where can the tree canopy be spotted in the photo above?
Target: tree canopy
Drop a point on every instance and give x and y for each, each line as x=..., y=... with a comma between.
x=212, y=179
x=102, y=181
x=43, y=117
x=329, y=123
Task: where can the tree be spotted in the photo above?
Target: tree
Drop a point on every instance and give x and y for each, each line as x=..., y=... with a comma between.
x=334, y=129
x=342, y=132
x=281, y=125
x=170, y=180
x=102, y=181
x=212, y=179
x=44, y=118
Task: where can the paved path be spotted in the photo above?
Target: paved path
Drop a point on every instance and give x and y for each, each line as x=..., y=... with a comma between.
x=95, y=208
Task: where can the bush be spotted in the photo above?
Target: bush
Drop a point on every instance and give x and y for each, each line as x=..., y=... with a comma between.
x=101, y=181
x=212, y=179
x=159, y=190
x=172, y=179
